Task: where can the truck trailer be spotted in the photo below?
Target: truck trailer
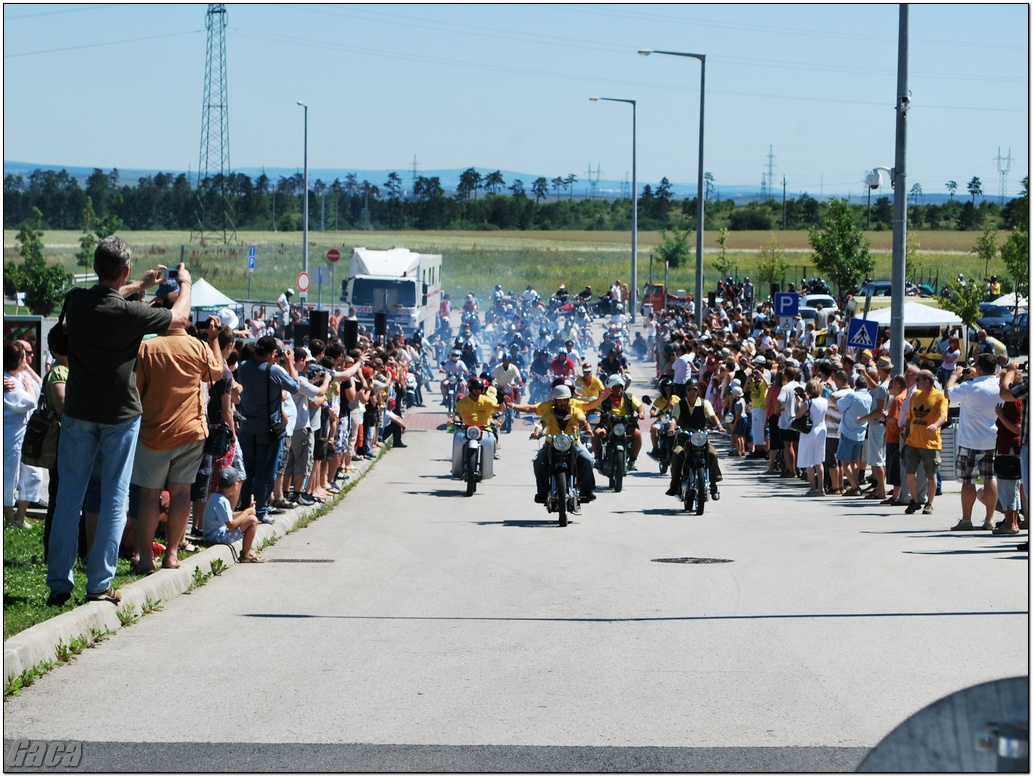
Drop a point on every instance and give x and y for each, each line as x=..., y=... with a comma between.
x=403, y=285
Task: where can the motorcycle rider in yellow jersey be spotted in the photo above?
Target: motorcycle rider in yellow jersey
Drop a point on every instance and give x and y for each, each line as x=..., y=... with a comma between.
x=560, y=415
x=667, y=402
x=475, y=409
x=588, y=386
x=619, y=403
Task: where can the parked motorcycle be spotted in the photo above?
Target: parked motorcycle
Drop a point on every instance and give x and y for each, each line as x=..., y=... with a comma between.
x=695, y=482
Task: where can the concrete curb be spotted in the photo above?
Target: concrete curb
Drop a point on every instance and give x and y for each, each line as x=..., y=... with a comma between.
x=40, y=642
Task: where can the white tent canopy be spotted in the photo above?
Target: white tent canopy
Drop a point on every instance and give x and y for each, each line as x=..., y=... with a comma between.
x=204, y=295
x=917, y=314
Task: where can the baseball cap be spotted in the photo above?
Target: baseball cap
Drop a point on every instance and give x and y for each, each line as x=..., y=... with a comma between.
x=228, y=476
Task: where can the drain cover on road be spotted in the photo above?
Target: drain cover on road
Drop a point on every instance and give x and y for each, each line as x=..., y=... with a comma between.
x=690, y=560
x=301, y=560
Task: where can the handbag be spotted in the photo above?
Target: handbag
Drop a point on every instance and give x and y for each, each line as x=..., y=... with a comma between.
x=803, y=424
x=220, y=438
x=277, y=429
x=1007, y=467
x=39, y=446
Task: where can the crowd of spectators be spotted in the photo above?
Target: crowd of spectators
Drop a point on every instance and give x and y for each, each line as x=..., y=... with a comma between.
x=141, y=394
x=874, y=433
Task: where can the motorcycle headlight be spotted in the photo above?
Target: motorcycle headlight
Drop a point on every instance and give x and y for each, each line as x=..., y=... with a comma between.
x=698, y=438
x=473, y=433
x=562, y=442
x=619, y=429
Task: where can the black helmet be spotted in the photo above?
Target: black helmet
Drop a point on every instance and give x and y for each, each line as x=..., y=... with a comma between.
x=691, y=384
x=665, y=382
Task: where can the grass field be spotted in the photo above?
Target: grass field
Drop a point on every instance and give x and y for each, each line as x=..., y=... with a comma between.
x=476, y=261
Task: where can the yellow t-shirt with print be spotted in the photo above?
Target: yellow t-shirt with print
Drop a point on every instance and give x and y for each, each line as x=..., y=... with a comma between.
x=925, y=408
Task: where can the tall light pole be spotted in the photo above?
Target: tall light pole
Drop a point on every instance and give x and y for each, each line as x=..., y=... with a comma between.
x=699, y=187
x=304, y=208
x=634, y=205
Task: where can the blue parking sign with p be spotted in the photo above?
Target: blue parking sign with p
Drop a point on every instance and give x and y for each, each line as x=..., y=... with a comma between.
x=787, y=304
x=861, y=333
x=251, y=257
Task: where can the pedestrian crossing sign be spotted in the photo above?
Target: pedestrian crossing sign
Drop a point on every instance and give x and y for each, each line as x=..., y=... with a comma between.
x=862, y=333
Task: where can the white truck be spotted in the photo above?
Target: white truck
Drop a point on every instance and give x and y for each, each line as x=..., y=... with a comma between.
x=404, y=285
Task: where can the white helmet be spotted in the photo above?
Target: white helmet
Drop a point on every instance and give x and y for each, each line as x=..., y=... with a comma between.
x=561, y=392
x=615, y=380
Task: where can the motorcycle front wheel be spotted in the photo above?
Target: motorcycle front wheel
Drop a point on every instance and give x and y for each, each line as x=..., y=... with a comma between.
x=701, y=490
x=561, y=499
x=471, y=472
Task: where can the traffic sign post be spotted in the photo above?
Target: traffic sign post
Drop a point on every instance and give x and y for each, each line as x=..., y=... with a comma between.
x=333, y=255
x=861, y=333
x=250, y=267
x=787, y=304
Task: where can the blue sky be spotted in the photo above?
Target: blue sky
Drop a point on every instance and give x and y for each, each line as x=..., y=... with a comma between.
x=507, y=87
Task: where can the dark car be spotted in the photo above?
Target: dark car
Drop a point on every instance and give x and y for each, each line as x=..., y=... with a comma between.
x=1017, y=335
x=995, y=319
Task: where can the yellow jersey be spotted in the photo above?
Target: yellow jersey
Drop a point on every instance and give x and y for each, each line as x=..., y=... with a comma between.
x=552, y=425
x=476, y=412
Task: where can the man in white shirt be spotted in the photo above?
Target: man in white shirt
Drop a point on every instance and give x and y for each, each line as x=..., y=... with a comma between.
x=787, y=403
x=979, y=395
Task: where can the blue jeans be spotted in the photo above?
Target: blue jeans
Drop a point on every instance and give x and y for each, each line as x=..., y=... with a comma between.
x=113, y=447
x=260, y=459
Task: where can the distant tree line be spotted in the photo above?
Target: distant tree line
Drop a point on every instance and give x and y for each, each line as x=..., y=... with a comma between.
x=479, y=202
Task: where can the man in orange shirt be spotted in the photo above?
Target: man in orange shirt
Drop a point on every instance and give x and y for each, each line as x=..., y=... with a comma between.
x=170, y=371
x=926, y=413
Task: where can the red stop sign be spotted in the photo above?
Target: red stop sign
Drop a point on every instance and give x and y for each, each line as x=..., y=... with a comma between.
x=333, y=254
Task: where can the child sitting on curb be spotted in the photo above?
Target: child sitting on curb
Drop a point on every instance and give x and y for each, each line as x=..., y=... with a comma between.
x=223, y=526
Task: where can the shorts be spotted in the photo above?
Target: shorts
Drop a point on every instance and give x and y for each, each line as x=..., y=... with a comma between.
x=223, y=536
x=154, y=469
x=849, y=450
x=774, y=434
x=930, y=460
x=789, y=435
x=831, y=449
x=971, y=463
x=876, y=444
x=742, y=427
x=298, y=454
x=893, y=464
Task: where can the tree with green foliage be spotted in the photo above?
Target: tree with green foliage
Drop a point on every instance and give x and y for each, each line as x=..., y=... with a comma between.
x=516, y=189
x=773, y=264
x=493, y=182
x=840, y=250
x=540, y=189
x=675, y=247
x=952, y=186
x=975, y=188
x=111, y=223
x=1015, y=251
x=722, y=263
x=42, y=284
x=963, y=301
x=986, y=247
x=87, y=241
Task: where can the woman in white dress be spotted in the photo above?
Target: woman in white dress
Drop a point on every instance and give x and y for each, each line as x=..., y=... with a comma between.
x=19, y=402
x=811, y=455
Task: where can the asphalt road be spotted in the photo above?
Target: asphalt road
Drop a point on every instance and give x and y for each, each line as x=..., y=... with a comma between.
x=415, y=629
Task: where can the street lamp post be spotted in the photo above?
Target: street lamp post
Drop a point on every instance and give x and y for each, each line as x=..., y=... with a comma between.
x=304, y=208
x=699, y=186
x=634, y=205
